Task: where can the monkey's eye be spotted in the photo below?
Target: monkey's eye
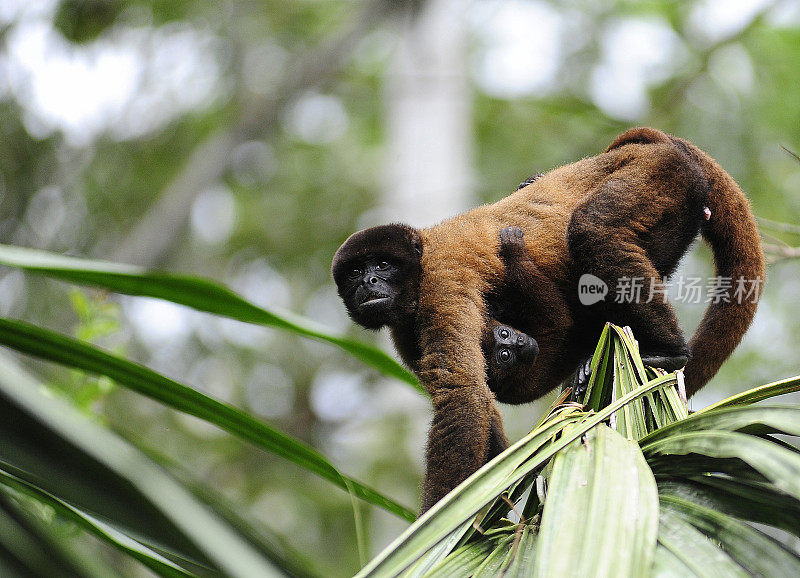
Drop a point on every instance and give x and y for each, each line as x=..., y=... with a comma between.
x=504, y=355
x=504, y=334
x=355, y=272
x=383, y=265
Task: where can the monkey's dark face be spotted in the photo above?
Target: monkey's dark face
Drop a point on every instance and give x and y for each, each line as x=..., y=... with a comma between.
x=511, y=348
x=377, y=275
x=372, y=287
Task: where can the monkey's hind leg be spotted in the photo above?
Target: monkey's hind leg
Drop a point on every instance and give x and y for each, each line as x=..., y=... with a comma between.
x=603, y=241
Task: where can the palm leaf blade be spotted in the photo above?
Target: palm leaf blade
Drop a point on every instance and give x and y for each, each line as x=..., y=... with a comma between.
x=716, y=448
x=105, y=532
x=756, y=552
x=602, y=497
x=197, y=293
x=753, y=501
x=693, y=549
x=45, y=443
x=61, y=349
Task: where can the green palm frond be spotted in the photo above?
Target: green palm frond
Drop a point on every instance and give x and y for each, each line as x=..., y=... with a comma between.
x=628, y=484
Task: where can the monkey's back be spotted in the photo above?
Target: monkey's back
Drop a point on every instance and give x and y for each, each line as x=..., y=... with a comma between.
x=542, y=210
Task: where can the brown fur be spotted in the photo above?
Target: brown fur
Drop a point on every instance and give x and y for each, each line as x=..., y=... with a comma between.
x=630, y=211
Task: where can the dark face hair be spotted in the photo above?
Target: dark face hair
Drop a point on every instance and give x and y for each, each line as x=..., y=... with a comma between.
x=512, y=347
x=377, y=275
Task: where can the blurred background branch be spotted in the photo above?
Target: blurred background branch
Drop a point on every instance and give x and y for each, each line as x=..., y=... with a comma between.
x=165, y=221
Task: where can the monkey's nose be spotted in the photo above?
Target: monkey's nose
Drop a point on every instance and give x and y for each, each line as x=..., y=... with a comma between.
x=372, y=280
x=529, y=351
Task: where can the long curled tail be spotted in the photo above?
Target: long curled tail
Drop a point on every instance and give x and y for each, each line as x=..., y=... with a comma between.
x=730, y=229
x=732, y=233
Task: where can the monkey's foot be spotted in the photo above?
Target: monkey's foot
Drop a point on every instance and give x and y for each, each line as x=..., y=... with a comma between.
x=580, y=380
x=669, y=363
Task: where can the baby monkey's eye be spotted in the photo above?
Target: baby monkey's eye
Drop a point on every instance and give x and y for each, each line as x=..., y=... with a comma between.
x=355, y=272
x=504, y=355
x=504, y=334
x=383, y=265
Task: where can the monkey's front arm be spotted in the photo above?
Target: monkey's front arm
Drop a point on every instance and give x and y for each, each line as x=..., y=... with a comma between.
x=467, y=427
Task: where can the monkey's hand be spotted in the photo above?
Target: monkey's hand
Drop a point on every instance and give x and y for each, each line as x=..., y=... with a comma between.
x=511, y=242
x=580, y=379
x=520, y=269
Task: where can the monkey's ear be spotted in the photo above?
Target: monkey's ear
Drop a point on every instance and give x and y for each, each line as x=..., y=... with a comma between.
x=404, y=234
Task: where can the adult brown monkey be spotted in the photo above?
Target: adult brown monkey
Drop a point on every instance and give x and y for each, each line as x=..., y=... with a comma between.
x=630, y=212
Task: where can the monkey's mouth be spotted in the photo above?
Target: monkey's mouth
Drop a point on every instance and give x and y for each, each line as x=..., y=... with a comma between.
x=375, y=300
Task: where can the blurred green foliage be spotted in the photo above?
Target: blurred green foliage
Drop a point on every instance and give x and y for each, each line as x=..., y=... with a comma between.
x=292, y=196
x=97, y=318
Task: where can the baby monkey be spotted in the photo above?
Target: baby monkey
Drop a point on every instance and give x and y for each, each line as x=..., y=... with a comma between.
x=520, y=308
x=509, y=355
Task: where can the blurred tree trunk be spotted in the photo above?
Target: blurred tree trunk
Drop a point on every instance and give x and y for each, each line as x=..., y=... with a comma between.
x=429, y=115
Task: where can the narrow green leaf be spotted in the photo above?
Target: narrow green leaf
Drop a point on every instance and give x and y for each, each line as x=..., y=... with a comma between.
x=676, y=406
x=776, y=419
x=602, y=499
x=632, y=352
x=101, y=530
x=275, y=546
x=492, y=566
x=460, y=505
x=756, y=394
x=759, y=554
x=693, y=549
x=30, y=547
x=434, y=557
x=602, y=366
x=659, y=411
x=73, y=353
x=653, y=411
x=712, y=451
x=521, y=493
x=668, y=565
x=524, y=557
x=631, y=421
x=762, y=503
x=48, y=444
x=462, y=562
x=193, y=292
